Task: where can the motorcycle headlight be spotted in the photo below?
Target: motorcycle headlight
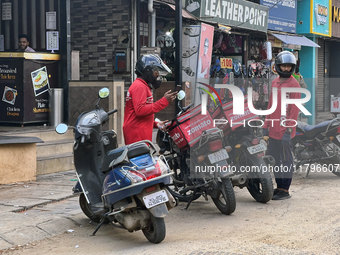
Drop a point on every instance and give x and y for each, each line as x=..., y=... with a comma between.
x=90, y=118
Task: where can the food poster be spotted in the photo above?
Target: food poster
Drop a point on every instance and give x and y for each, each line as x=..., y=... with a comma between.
x=39, y=77
x=11, y=90
x=40, y=81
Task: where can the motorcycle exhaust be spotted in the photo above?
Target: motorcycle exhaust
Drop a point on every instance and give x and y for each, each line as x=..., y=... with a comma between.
x=269, y=160
x=239, y=179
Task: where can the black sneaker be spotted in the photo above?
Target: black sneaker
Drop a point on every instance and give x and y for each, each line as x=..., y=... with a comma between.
x=280, y=195
x=275, y=192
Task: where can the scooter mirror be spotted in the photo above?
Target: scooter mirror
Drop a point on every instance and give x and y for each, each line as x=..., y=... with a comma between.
x=104, y=92
x=180, y=95
x=61, y=128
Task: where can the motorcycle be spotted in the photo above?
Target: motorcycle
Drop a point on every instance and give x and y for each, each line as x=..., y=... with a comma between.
x=191, y=152
x=248, y=152
x=124, y=185
x=317, y=144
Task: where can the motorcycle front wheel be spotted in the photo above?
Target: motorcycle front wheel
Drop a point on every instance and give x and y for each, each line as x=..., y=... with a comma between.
x=155, y=232
x=333, y=163
x=260, y=185
x=225, y=200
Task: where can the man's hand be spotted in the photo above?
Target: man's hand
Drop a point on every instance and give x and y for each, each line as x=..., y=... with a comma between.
x=170, y=96
x=161, y=124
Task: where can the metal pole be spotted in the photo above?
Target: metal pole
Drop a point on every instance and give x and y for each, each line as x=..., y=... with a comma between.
x=138, y=28
x=65, y=53
x=178, y=37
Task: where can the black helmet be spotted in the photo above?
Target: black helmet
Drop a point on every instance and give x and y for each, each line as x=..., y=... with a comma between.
x=285, y=57
x=147, y=64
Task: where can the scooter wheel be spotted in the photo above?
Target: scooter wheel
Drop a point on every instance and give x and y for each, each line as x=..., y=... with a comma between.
x=155, y=232
x=85, y=207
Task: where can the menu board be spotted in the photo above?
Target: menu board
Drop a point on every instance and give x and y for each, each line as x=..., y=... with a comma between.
x=52, y=38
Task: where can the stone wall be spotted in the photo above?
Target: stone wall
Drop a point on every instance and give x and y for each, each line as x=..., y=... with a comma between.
x=96, y=27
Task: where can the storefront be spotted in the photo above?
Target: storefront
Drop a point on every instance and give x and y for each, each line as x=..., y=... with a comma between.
x=315, y=24
x=332, y=59
x=233, y=32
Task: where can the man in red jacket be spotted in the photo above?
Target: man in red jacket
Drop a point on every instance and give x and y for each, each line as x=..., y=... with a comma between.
x=281, y=134
x=139, y=107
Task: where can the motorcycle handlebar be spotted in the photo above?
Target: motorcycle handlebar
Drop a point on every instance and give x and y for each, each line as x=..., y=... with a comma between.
x=111, y=112
x=187, y=107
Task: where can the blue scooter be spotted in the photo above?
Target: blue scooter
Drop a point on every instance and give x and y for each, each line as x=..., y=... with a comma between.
x=124, y=185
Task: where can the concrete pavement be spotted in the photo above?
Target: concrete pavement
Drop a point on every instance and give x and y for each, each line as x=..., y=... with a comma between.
x=32, y=211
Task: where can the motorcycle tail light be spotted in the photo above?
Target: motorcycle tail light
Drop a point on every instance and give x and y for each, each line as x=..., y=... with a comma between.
x=135, y=176
x=255, y=141
x=338, y=129
x=215, y=145
x=146, y=173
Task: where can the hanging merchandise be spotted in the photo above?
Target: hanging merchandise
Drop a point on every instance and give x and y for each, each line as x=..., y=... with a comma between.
x=266, y=51
x=258, y=79
x=231, y=44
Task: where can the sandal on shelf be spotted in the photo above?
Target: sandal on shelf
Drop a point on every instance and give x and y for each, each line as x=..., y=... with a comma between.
x=188, y=32
x=190, y=52
x=188, y=71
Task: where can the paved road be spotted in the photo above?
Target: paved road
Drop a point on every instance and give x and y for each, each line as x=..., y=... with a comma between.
x=308, y=223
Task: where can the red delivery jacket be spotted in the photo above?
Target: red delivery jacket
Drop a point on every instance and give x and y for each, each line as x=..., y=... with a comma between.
x=292, y=111
x=139, y=112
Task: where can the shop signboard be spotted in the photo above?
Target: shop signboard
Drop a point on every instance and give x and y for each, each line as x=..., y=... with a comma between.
x=321, y=17
x=235, y=13
x=336, y=19
x=317, y=20
x=282, y=14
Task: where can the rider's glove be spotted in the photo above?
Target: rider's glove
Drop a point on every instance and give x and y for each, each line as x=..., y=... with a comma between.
x=265, y=132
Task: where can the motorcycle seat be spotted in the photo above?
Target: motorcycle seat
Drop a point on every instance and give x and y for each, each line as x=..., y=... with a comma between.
x=122, y=155
x=312, y=130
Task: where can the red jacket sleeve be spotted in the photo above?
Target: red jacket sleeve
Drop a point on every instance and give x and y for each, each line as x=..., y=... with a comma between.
x=139, y=99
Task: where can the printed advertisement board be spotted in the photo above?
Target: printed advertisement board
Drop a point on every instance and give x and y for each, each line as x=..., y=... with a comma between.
x=282, y=15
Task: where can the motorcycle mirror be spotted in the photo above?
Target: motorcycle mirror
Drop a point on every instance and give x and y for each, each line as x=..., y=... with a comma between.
x=61, y=128
x=181, y=95
x=104, y=92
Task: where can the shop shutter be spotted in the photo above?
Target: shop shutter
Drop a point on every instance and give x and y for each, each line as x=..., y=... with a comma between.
x=320, y=82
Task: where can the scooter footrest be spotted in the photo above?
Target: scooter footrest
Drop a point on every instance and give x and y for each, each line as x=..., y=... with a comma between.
x=97, y=208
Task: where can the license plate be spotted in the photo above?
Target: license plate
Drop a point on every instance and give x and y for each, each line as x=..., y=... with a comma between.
x=257, y=148
x=156, y=198
x=338, y=137
x=218, y=156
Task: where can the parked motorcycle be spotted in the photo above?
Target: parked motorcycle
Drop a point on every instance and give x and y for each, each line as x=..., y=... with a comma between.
x=191, y=152
x=318, y=146
x=124, y=185
x=248, y=152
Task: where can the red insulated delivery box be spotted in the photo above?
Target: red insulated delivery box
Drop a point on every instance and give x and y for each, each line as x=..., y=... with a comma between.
x=187, y=128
